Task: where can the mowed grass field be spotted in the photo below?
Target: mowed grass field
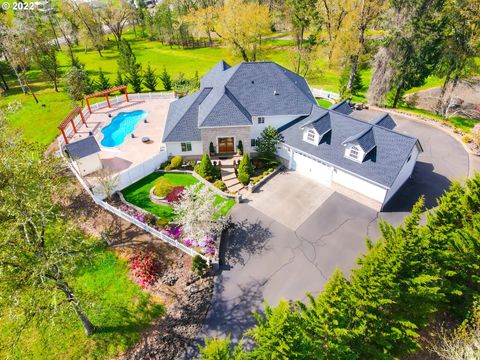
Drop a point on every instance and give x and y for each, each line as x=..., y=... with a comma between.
x=39, y=122
x=118, y=308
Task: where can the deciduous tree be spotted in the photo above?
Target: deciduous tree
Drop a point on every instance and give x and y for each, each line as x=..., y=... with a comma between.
x=198, y=214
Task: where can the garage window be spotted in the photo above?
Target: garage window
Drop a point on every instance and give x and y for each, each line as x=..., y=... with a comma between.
x=186, y=147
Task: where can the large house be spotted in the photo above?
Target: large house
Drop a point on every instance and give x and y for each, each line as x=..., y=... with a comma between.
x=235, y=103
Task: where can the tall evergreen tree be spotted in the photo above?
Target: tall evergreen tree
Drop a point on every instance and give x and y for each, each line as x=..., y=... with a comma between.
x=166, y=79
x=103, y=83
x=119, y=80
x=135, y=78
x=150, y=79
x=245, y=170
x=126, y=58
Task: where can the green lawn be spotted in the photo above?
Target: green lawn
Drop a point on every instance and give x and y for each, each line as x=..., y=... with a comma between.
x=138, y=194
x=462, y=123
x=117, y=307
x=324, y=103
x=39, y=121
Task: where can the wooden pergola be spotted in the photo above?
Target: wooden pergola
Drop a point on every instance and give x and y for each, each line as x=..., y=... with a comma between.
x=70, y=119
x=122, y=88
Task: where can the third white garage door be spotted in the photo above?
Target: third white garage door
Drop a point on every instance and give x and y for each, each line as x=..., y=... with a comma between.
x=312, y=169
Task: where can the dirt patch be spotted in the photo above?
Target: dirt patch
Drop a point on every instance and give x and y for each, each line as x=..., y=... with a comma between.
x=186, y=297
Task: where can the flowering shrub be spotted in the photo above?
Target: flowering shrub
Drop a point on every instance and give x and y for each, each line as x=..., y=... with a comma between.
x=174, y=232
x=145, y=267
x=175, y=194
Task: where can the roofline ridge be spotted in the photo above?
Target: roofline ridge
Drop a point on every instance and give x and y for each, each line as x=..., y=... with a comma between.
x=374, y=125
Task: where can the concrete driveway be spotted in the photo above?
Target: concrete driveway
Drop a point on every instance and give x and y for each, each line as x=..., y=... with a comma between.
x=289, y=198
x=266, y=260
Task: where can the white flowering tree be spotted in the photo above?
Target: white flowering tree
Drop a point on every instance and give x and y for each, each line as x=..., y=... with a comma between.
x=197, y=213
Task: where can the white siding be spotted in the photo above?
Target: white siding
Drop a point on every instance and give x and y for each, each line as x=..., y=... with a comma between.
x=357, y=184
x=88, y=164
x=316, y=138
x=404, y=174
x=276, y=121
x=312, y=169
x=175, y=148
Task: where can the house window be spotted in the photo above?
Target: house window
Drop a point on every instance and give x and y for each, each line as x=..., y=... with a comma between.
x=186, y=147
x=261, y=120
x=311, y=135
x=354, y=152
x=253, y=142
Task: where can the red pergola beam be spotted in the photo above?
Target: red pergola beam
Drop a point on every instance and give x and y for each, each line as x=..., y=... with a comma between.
x=70, y=119
x=106, y=93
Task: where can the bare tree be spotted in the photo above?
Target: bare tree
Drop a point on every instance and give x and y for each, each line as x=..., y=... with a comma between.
x=108, y=181
x=115, y=17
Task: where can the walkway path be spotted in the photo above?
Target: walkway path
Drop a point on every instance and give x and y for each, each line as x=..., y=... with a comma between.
x=229, y=177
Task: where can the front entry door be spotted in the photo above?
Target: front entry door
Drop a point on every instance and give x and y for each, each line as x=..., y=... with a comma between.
x=226, y=145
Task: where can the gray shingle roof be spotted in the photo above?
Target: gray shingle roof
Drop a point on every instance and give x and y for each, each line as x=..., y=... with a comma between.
x=182, y=118
x=342, y=107
x=365, y=139
x=230, y=96
x=220, y=108
x=385, y=121
x=381, y=165
x=82, y=148
x=319, y=119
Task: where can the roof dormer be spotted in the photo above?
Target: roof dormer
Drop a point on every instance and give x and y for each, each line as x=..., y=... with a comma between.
x=358, y=146
x=310, y=135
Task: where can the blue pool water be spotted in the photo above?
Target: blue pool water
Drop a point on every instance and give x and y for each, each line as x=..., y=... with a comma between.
x=121, y=126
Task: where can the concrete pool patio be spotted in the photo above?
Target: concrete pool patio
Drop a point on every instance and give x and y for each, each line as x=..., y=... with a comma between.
x=132, y=151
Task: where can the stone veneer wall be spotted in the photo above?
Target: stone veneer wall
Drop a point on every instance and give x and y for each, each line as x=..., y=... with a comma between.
x=239, y=133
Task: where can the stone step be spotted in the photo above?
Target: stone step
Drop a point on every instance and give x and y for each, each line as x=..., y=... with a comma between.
x=236, y=187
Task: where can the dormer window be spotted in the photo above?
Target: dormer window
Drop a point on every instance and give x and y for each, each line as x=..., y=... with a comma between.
x=354, y=151
x=311, y=135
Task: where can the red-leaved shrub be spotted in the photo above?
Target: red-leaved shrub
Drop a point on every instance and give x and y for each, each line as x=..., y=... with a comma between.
x=145, y=267
x=175, y=194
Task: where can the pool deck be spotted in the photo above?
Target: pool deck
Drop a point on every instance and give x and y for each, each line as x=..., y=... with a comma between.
x=132, y=151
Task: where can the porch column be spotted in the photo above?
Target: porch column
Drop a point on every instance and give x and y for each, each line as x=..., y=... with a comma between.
x=88, y=105
x=126, y=94
x=108, y=101
x=290, y=159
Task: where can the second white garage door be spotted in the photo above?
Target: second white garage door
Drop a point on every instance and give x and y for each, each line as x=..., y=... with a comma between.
x=312, y=169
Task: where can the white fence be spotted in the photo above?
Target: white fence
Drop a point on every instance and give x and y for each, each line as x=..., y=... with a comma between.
x=135, y=173
x=320, y=93
x=132, y=220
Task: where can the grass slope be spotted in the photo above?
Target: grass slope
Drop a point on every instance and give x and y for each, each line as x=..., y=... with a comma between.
x=138, y=194
x=117, y=306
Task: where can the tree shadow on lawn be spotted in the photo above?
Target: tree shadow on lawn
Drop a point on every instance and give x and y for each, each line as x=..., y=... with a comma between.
x=242, y=240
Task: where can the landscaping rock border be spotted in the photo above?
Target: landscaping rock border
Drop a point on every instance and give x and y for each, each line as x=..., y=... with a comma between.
x=253, y=187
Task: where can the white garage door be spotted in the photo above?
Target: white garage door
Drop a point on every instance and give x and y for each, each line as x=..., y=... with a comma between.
x=312, y=169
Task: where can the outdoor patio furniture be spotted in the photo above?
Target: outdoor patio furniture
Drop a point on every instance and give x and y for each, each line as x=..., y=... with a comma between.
x=146, y=139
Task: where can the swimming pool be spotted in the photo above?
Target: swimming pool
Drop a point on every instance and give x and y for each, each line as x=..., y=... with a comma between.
x=121, y=126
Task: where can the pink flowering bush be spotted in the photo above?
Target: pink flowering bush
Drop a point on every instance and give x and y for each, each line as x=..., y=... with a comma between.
x=175, y=194
x=145, y=267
